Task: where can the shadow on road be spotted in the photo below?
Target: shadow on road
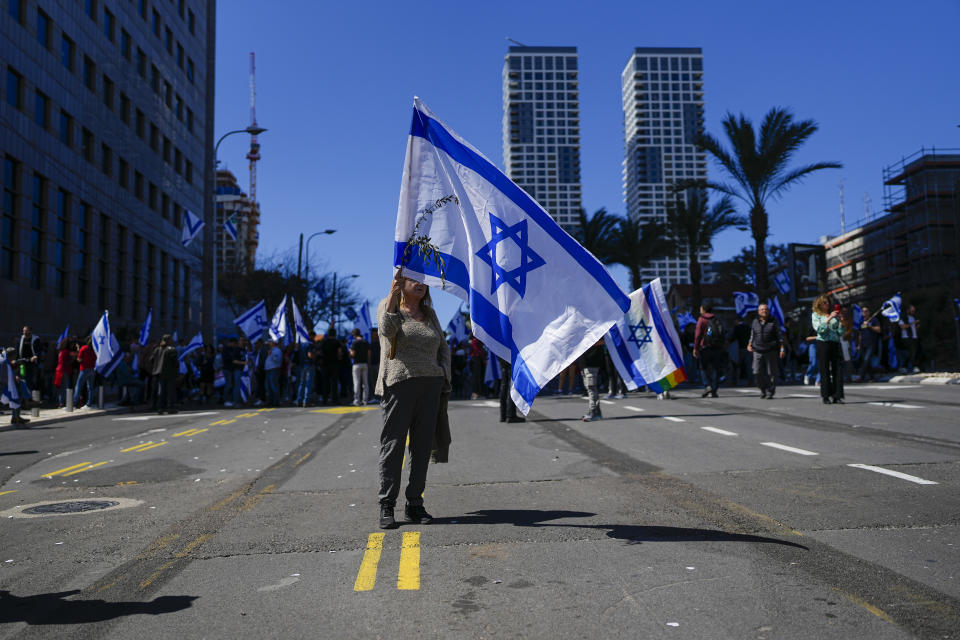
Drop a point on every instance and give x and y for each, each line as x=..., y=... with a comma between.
x=17, y=453
x=517, y=517
x=53, y=608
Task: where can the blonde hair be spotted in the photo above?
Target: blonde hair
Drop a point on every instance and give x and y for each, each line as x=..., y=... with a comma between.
x=822, y=304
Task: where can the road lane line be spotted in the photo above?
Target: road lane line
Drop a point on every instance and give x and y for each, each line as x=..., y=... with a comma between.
x=802, y=395
x=59, y=471
x=895, y=474
x=252, y=502
x=152, y=446
x=783, y=447
x=213, y=424
x=722, y=432
x=135, y=447
x=672, y=419
x=409, y=577
x=3, y=493
x=632, y=408
x=367, y=576
x=607, y=402
x=92, y=466
x=880, y=613
x=895, y=405
x=300, y=461
x=252, y=414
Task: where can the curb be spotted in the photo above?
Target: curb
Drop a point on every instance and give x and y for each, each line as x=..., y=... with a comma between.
x=76, y=415
x=926, y=379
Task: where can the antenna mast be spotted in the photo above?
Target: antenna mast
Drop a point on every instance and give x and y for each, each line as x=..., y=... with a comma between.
x=843, y=224
x=254, y=155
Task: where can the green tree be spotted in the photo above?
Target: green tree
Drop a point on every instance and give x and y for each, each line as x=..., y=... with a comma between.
x=759, y=168
x=636, y=244
x=596, y=232
x=739, y=269
x=694, y=225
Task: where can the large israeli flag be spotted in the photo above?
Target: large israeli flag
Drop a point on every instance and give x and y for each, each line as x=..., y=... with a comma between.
x=491, y=372
x=106, y=347
x=279, y=328
x=303, y=335
x=776, y=312
x=745, y=302
x=191, y=227
x=537, y=298
x=253, y=321
x=644, y=345
x=891, y=308
x=145, y=329
x=458, y=326
x=196, y=342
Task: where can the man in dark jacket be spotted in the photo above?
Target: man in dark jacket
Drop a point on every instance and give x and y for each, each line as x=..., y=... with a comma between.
x=766, y=345
x=166, y=366
x=708, y=347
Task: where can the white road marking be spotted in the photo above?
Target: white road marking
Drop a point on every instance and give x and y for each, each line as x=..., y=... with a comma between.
x=485, y=403
x=672, y=419
x=783, y=447
x=744, y=390
x=175, y=415
x=632, y=408
x=895, y=474
x=802, y=395
x=885, y=387
x=896, y=405
x=722, y=432
x=607, y=402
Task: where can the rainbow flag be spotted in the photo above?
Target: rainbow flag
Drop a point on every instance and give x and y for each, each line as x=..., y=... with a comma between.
x=644, y=344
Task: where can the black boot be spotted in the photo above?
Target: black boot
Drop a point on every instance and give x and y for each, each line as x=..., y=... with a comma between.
x=386, y=517
x=417, y=514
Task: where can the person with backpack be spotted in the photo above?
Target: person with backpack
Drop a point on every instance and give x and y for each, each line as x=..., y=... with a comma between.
x=709, y=348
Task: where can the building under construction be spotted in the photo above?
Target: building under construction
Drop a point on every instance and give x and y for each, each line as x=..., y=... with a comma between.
x=235, y=256
x=915, y=244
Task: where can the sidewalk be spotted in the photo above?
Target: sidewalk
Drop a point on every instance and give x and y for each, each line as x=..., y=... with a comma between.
x=48, y=416
x=939, y=377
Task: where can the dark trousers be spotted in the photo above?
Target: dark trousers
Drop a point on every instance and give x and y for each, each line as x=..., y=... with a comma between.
x=331, y=384
x=476, y=375
x=508, y=410
x=765, y=366
x=711, y=364
x=829, y=358
x=866, y=362
x=409, y=408
x=165, y=387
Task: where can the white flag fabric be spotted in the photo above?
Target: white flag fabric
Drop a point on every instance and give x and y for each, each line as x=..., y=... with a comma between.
x=363, y=321
x=191, y=227
x=303, y=335
x=231, y=228
x=458, y=326
x=776, y=312
x=196, y=342
x=145, y=329
x=891, y=309
x=253, y=321
x=644, y=345
x=537, y=298
x=279, y=329
x=746, y=302
x=106, y=347
x=9, y=395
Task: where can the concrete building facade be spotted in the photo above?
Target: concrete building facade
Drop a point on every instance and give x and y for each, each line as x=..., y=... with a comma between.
x=235, y=256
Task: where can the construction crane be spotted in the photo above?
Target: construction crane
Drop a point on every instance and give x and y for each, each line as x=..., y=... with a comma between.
x=254, y=155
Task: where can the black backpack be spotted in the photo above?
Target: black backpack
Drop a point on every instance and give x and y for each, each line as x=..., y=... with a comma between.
x=714, y=336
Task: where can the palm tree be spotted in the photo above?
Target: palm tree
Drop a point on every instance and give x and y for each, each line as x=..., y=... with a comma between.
x=759, y=168
x=635, y=244
x=595, y=233
x=694, y=226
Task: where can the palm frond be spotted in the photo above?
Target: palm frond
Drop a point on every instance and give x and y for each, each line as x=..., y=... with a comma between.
x=785, y=181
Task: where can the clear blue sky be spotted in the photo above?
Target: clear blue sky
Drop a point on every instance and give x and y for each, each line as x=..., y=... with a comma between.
x=335, y=86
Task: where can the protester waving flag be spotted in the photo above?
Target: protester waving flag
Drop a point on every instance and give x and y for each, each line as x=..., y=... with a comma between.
x=106, y=347
x=231, y=228
x=745, y=302
x=458, y=326
x=191, y=227
x=537, y=298
x=302, y=333
x=363, y=321
x=253, y=321
x=195, y=343
x=644, y=345
x=776, y=312
x=782, y=280
x=145, y=329
x=279, y=329
x=891, y=308
x=63, y=336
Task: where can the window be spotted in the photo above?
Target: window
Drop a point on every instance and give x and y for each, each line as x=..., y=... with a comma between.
x=151, y=266
x=163, y=285
x=154, y=138
x=156, y=23
x=41, y=111
x=66, y=128
x=14, y=89
x=137, y=264
x=180, y=55
x=10, y=215
x=108, y=92
x=190, y=120
x=83, y=252
x=153, y=199
x=17, y=10
x=165, y=206
x=37, y=212
x=60, y=258
x=123, y=173
x=179, y=108
x=91, y=7
x=188, y=172
x=103, y=270
x=124, y=108
x=67, y=51
x=106, y=160
x=180, y=7
x=138, y=185
x=89, y=74
x=168, y=40
x=43, y=29
x=109, y=25
x=141, y=63
x=86, y=144
x=141, y=124
x=120, y=270
x=155, y=79
x=190, y=69
x=177, y=161
x=168, y=95
x=142, y=8
x=166, y=149
x=125, y=44
x=191, y=22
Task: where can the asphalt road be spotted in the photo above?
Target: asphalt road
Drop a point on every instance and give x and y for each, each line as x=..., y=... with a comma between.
x=733, y=517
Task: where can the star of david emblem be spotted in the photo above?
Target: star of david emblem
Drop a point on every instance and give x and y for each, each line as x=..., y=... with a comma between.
x=640, y=334
x=529, y=259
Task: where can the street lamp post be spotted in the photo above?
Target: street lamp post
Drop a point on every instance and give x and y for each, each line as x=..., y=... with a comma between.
x=209, y=239
x=311, y=237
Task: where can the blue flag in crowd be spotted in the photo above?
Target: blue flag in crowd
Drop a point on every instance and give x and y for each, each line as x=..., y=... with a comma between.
x=10, y=395
x=363, y=321
x=63, y=336
x=279, y=329
x=191, y=227
x=458, y=326
x=684, y=319
x=321, y=290
x=537, y=298
x=175, y=337
x=195, y=343
x=891, y=309
x=776, y=312
x=746, y=302
x=106, y=347
x=302, y=334
x=145, y=329
x=492, y=372
x=253, y=321
x=892, y=359
x=857, y=317
x=350, y=313
x=782, y=280
x=245, y=382
x=231, y=228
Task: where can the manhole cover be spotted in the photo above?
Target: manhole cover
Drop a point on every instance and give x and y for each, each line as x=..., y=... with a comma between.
x=75, y=506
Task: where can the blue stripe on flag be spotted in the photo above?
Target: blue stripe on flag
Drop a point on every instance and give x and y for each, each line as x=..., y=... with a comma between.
x=661, y=329
x=625, y=358
x=499, y=328
x=425, y=127
x=455, y=271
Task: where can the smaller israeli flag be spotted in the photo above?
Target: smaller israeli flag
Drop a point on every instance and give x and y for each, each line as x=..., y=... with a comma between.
x=745, y=302
x=458, y=326
x=351, y=314
x=776, y=311
x=279, y=329
x=245, y=382
x=63, y=336
x=782, y=280
x=253, y=321
x=891, y=308
x=303, y=336
x=9, y=396
x=175, y=337
x=106, y=347
x=195, y=343
x=685, y=319
x=145, y=329
x=492, y=374
x=231, y=228
x=857, y=317
x=363, y=321
x=191, y=227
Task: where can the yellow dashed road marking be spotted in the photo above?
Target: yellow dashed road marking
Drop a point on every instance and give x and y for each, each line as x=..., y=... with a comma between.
x=190, y=432
x=135, y=447
x=3, y=493
x=252, y=414
x=409, y=577
x=212, y=424
x=59, y=471
x=342, y=410
x=152, y=446
x=367, y=576
x=87, y=468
